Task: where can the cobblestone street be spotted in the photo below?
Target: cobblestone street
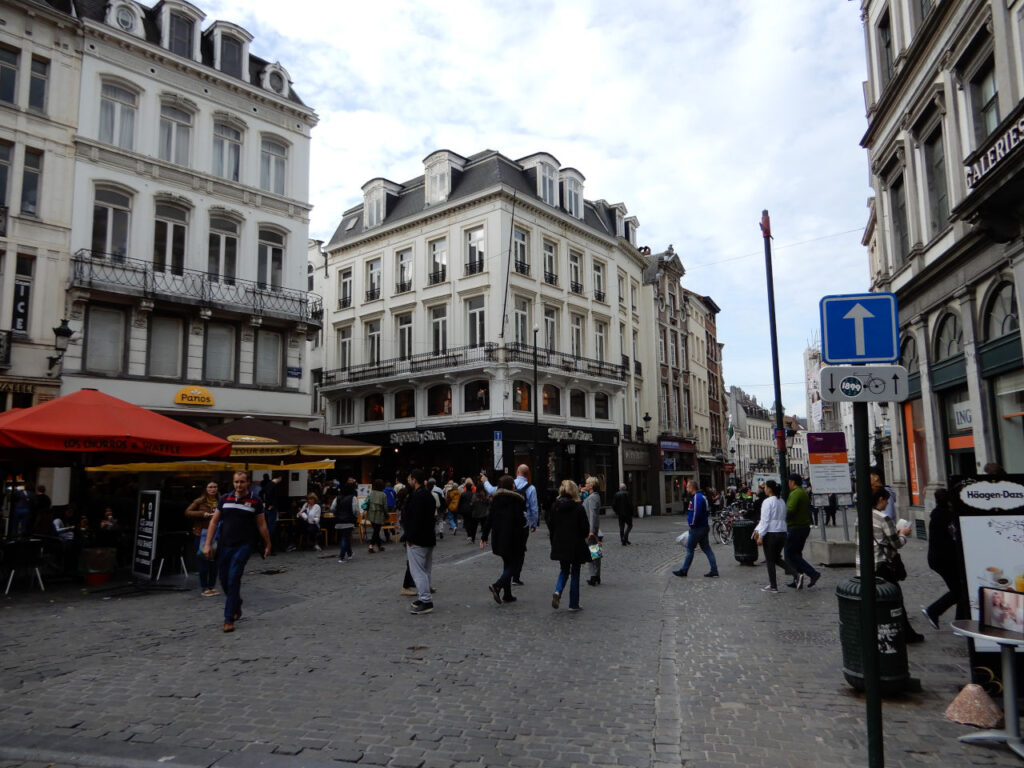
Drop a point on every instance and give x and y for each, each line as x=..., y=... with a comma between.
x=328, y=667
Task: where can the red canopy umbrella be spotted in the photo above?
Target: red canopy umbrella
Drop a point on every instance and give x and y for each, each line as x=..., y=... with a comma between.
x=91, y=422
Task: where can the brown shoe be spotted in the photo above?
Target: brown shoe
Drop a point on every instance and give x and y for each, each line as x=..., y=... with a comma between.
x=409, y=591
x=228, y=627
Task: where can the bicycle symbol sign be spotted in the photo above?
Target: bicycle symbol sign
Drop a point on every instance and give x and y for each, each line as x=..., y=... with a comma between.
x=863, y=383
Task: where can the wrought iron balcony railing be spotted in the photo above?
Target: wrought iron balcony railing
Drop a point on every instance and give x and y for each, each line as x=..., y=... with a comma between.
x=638, y=369
x=120, y=274
x=438, y=276
x=550, y=278
x=373, y=294
x=599, y=296
x=461, y=357
x=345, y=301
x=576, y=287
x=522, y=267
x=625, y=362
x=473, y=266
x=403, y=287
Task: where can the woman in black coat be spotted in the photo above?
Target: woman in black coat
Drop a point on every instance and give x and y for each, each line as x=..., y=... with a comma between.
x=944, y=559
x=568, y=528
x=508, y=536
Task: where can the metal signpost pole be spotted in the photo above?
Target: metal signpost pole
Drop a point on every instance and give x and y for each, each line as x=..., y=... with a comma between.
x=780, y=443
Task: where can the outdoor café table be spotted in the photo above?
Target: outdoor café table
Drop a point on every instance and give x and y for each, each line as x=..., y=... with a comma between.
x=1008, y=643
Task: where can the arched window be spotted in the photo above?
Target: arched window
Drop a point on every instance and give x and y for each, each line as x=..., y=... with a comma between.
x=439, y=400
x=169, y=238
x=222, y=254
x=476, y=396
x=175, y=134
x=270, y=258
x=577, y=403
x=373, y=407
x=601, y=410
x=110, y=215
x=405, y=404
x=552, y=400
x=521, y=396
x=949, y=340
x=909, y=358
x=1001, y=313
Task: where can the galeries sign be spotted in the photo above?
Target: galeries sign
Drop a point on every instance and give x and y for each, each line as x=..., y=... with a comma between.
x=1001, y=148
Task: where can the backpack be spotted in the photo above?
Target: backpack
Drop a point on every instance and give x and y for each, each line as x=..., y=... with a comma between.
x=453, y=500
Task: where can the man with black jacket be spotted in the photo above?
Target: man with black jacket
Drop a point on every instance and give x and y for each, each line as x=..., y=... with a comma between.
x=623, y=507
x=419, y=538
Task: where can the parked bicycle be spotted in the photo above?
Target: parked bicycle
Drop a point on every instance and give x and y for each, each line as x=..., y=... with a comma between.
x=722, y=520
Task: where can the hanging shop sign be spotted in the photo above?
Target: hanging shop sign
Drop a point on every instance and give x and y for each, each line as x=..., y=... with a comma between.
x=416, y=437
x=193, y=396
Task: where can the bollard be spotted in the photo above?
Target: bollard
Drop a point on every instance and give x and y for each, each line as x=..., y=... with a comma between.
x=894, y=674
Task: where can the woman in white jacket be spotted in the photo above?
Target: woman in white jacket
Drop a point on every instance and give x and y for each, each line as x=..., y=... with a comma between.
x=771, y=533
x=310, y=514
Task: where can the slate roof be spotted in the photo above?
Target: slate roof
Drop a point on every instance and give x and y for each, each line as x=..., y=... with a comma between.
x=482, y=171
x=96, y=10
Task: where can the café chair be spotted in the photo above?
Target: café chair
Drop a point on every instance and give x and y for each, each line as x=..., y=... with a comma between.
x=24, y=555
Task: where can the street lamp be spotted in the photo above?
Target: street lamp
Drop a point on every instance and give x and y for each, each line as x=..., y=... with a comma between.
x=647, y=424
x=61, y=339
x=536, y=422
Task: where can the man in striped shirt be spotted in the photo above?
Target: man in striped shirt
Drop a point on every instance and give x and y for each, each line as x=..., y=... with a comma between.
x=240, y=515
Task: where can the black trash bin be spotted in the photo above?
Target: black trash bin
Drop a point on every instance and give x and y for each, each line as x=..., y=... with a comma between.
x=743, y=546
x=892, y=645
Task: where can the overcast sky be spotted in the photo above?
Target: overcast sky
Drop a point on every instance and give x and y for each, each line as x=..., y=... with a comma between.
x=694, y=114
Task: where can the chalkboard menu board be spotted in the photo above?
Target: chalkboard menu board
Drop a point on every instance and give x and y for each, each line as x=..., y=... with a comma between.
x=146, y=518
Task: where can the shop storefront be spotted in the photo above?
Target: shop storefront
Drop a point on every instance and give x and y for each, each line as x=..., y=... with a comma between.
x=641, y=477
x=678, y=462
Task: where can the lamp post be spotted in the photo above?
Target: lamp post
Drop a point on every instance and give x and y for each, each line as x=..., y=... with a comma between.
x=536, y=422
x=647, y=424
x=61, y=339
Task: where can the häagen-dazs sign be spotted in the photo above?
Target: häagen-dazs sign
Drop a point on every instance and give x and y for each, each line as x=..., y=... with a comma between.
x=987, y=495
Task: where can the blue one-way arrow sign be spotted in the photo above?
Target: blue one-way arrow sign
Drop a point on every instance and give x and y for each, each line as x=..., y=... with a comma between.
x=860, y=328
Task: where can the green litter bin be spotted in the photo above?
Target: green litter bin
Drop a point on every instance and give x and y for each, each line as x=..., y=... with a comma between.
x=894, y=674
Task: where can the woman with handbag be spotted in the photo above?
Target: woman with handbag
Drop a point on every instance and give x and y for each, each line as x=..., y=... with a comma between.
x=199, y=512
x=592, y=506
x=568, y=529
x=888, y=563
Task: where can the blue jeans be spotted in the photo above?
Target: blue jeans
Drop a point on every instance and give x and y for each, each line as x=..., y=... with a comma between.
x=207, y=567
x=699, y=537
x=511, y=565
x=345, y=539
x=231, y=565
x=794, y=551
x=569, y=572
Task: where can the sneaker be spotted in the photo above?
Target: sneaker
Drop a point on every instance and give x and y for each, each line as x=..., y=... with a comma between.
x=555, y=599
x=931, y=619
x=711, y=575
x=813, y=580
x=341, y=559
x=290, y=549
x=509, y=599
x=409, y=591
x=469, y=540
x=681, y=574
x=421, y=608
x=792, y=584
x=575, y=608
x=800, y=581
x=769, y=588
x=316, y=547
x=518, y=582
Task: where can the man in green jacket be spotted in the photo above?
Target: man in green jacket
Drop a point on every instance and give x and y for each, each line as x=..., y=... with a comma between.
x=798, y=525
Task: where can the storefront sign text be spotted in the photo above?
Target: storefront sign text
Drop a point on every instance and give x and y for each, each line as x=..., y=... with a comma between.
x=560, y=433
x=426, y=436
x=17, y=386
x=193, y=396
x=999, y=149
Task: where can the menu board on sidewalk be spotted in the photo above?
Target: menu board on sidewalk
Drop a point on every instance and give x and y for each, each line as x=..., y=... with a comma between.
x=146, y=518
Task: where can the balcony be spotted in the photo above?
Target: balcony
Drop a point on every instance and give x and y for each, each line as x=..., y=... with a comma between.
x=550, y=278
x=522, y=267
x=638, y=369
x=439, y=275
x=639, y=434
x=576, y=287
x=474, y=266
x=403, y=287
x=135, y=277
x=625, y=362
x=599, y=296
x=373, y=294
x=627, y=430
x=516, y=352
x=345, y=301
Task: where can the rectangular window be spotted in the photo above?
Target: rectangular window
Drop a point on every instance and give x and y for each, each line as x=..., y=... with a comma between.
x=344, y=411
x=227, y=151
x=219, y=355
x=900, y=227
x=37, y=84
x=223, y=251
x=175, y=134
x=520, y=251
x=403, y=268
x=439, y=330
x=5, y=171
x=438, y=261
x=622, y=289
x=475, y=310
x=230, y=56
x=576, y=335
x=886, y=58
x=373, y=279
x=270, y=259
x=373, y=342
x=550, y=263
x=633, y=291
x=8, y=74
x=405, y=336
x=575, y=272
x=550, y=328
x=105, y=339
x=269, y=358
x=345, y=289
x=935, y=171
x=573, y=197
x=673, y=346
x=374, y=210
x=521, y=320
x=164, y=352
x=474, y=250
x=117, y=116
x=345, y=347
x=110, y=224
x=985, y=102
x=169, y=239
x=662, y=346
x=548, y=184
x=273, y=156
x=599, y=281
x=180, y=38
x=31, y=180
x=600, y=340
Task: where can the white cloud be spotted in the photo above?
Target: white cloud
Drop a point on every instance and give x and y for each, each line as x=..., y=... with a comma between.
x=695, y=115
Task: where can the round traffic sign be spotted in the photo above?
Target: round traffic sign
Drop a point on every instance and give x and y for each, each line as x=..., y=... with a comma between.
x=851, y=386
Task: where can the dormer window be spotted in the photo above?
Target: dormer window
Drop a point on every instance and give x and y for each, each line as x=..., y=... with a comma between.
x=437, y=184
x=439, y=175
x=574, y=198
x=275, y=79
x=548, y=183
x=181, y=34
x=374, y=210
x=125, y=16
x=231, y=56
x=375, y=201
x=230, y=46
